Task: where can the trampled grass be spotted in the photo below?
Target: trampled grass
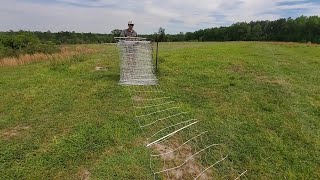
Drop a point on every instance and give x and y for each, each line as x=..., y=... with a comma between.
x=65, y=120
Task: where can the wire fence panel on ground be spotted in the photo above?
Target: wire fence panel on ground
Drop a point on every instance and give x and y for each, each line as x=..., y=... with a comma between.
x=179, y=148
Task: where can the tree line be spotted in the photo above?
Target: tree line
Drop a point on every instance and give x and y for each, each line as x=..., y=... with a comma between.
x=66, y=37
x=14, y=44
x=301, y=29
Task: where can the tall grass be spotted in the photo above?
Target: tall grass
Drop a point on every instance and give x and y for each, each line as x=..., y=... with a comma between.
x=66, y=52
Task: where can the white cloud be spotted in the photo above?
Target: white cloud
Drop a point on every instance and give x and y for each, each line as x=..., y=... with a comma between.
x=105, y=15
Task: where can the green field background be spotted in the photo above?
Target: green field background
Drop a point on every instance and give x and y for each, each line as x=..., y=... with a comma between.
x=261, y=100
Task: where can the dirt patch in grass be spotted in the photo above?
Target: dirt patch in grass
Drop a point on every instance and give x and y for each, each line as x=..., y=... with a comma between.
x=269, y=80
x=101, y=68
x=166, y=152
x=83, y=174
x=188, y=167
x=13, y=132
x=237, y=68
x=138, y=98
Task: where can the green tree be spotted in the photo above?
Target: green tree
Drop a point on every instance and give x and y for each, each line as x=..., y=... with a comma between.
x=256, y=32
x=161, y=34
x=116, y=32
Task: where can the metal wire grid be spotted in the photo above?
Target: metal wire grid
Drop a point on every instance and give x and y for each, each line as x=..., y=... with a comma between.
x=185, y=152
x=136, y=66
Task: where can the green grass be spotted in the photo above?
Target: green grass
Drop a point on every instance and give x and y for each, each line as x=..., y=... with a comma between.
x=261, y=100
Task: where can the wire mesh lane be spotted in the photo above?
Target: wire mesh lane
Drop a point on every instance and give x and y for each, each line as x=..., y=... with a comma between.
x=175, y=139
x=179, y=148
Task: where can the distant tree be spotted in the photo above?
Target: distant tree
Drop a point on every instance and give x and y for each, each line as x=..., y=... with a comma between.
x=162, y=34
x=256, y=32
x=313, y=29
x=116, y=32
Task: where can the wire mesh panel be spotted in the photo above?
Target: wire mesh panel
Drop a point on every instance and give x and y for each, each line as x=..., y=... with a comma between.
x=136, y=66
x=179, y=147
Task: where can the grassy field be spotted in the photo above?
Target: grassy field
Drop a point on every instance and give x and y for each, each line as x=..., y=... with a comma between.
x=65, y=120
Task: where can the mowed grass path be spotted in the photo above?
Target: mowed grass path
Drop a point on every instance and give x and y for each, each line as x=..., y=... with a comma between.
x=65, y=120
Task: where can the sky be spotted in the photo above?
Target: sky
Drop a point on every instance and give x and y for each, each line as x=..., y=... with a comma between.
x=102, y=16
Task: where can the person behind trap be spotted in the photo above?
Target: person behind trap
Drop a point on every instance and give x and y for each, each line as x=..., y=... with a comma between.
x=129, y=32
x=130, y=50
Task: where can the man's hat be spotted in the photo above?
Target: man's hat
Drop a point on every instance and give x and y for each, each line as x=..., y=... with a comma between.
x=130, y=22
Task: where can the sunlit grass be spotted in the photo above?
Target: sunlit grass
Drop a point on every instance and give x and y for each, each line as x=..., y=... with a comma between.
x=65, y=120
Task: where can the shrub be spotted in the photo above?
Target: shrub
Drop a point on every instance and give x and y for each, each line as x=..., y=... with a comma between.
x=14, y=45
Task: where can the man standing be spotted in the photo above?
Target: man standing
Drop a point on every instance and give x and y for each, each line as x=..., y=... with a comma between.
x=129, y=32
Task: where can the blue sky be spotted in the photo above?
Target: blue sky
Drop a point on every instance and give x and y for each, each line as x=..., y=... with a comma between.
x=175, y=16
